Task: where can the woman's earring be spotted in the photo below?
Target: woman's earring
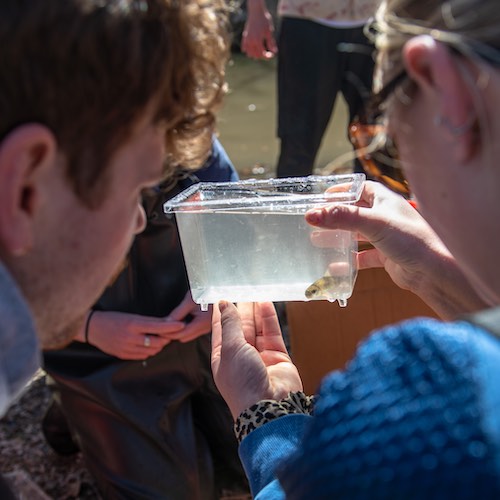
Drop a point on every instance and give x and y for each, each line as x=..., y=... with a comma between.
x=455, y=131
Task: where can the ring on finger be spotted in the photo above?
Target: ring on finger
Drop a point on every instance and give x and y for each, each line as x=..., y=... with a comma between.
x=147, y=340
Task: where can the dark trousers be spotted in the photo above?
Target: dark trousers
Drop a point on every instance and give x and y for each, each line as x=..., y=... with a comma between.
x=311, y=72
x=159, y=431
x=5, y=490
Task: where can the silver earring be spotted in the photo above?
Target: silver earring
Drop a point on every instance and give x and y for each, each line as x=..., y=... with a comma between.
x=455, y=131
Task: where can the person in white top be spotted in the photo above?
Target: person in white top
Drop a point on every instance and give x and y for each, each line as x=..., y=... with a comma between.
x=322, y=50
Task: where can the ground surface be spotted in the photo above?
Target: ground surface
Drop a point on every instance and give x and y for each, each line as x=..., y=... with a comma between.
x=29, y=462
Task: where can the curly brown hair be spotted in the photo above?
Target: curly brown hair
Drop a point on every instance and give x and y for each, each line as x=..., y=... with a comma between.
x=89, y=69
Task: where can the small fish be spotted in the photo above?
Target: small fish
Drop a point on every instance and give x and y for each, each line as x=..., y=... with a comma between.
x=322, y=287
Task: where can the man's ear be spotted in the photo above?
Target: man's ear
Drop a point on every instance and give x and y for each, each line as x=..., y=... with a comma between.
x=434, y=68
x=25, y=154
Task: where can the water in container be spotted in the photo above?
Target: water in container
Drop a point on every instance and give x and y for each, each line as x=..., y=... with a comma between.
x=248, y=241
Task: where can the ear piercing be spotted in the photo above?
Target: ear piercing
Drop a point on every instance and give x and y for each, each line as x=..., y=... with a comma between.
x=455, y=131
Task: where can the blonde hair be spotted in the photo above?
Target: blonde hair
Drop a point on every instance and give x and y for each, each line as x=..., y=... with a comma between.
x=471, y=27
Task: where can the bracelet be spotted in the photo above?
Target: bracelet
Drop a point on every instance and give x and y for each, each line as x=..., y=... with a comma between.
x=87, y=324
x=269, y=409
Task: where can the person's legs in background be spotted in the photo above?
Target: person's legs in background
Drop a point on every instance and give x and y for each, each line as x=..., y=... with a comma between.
x=308, y=82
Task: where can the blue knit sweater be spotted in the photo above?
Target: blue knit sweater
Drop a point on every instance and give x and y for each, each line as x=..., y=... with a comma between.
x=416, y=414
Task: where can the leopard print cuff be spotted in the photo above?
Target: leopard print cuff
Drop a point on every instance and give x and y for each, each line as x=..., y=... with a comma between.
x=268, y=409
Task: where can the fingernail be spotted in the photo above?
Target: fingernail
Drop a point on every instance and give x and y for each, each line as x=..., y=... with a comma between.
x=313, y=216
x=222, y=305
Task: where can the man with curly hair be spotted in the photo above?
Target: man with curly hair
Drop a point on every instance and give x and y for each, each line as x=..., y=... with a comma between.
x=99, y=100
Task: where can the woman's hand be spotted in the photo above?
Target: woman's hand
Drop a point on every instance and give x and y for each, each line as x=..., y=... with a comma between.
x=249, y=358
x=405, y=245
x=130, y=336
x=399, y=234
x=196, y=321
x=134, y=337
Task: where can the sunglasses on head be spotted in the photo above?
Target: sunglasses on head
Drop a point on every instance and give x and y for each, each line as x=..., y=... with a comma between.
x=375, y=151
x=378, y=156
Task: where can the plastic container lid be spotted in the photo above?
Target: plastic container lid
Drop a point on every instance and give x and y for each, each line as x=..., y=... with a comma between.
x=298, y=192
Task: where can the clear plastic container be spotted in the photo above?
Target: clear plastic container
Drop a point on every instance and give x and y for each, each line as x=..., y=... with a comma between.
x=248, y=241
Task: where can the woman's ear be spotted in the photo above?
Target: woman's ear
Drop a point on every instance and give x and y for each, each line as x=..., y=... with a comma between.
x=24, y=153
x=439, y=73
